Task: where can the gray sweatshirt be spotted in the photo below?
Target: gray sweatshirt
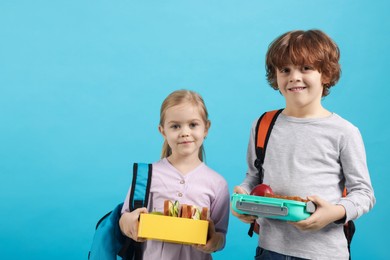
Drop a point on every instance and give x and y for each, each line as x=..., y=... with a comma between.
x=307, y=157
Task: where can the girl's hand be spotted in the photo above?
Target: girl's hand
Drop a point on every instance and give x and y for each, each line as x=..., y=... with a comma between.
x=215, y=240
x=325, y=213
x=244, y=218
x=128, y=224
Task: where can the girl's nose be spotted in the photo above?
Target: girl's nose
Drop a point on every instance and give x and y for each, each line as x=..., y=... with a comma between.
x=185, y=132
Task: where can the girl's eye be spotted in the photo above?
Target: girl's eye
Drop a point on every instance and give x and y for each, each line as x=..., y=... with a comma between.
x=305, y=68
x=175, y=126
x=192, y=125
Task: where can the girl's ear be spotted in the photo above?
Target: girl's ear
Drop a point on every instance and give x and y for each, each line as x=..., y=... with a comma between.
x=208, y=125
x=161, y=130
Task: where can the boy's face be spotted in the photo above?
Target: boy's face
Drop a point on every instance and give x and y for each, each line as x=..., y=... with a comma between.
x=301, y=86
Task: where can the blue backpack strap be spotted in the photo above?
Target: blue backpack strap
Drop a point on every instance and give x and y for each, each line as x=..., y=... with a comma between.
x=140, y=187
x=139, y=197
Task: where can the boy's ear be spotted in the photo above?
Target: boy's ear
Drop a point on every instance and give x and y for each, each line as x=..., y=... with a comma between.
x=325, y=80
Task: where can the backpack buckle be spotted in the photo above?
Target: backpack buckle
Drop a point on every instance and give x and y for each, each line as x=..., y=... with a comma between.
x=257, y=164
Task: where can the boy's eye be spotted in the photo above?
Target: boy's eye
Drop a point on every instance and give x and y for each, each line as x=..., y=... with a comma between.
x=284, y=70
x=175, y=126
x=305, y=68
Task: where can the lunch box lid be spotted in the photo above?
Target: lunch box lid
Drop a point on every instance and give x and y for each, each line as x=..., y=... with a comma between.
x=274, y=208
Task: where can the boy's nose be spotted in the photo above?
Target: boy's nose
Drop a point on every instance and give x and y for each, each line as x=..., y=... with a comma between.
x=295, y=75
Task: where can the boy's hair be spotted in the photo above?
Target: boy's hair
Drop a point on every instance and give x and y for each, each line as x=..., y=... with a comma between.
x=312, y=47
x=179, y=97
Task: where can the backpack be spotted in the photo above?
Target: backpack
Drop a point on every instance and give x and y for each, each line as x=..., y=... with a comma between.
x=108, y=241
x=263, y=131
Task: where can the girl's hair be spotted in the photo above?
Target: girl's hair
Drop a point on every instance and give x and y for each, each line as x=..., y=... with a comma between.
x=312, y=47
x=179, y=97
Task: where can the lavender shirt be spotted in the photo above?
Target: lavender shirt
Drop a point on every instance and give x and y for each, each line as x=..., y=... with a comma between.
x=202, y=187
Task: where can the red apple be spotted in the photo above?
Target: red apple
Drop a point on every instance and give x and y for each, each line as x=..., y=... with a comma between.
x=261, y=190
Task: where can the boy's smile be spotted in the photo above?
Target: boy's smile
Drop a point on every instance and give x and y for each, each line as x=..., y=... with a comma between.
x=296, y=89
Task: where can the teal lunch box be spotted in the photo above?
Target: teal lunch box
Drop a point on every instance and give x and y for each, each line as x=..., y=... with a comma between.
x=275, y=208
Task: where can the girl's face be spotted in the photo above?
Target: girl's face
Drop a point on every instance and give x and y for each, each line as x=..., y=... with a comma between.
x=184, y=129
x=301, y=86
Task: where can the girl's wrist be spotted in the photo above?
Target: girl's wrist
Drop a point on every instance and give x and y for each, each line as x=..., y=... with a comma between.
x=220, y=241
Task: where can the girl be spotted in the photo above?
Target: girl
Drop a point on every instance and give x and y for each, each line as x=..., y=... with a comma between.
x=182, y=175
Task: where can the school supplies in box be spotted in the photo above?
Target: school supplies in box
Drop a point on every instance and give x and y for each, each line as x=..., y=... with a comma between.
x=275, y=208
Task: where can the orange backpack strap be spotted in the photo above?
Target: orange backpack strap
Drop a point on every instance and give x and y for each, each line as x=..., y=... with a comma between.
x=263, y=131
x=345, y=192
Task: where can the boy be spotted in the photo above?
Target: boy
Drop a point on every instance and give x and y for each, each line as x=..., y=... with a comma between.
x=311, y=153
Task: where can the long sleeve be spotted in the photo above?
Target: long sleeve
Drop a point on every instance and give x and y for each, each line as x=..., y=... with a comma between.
x=360, y=197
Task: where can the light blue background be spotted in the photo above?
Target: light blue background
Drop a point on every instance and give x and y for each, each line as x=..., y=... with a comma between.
x=81, y=83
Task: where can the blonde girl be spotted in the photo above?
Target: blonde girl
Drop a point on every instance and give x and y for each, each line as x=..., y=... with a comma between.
x=181, y=175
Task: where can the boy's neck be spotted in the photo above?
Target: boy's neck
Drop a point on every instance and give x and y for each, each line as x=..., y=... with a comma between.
x=302, y=112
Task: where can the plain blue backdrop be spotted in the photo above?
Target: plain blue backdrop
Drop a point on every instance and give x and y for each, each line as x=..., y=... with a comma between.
x=81, y=83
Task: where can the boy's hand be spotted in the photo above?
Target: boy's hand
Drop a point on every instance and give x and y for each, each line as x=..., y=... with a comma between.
x=244, y=218
x=214, y=242
x=128, y=224
x=325, y=213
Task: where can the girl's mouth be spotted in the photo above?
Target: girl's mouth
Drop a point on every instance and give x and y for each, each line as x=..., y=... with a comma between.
x=186, y=142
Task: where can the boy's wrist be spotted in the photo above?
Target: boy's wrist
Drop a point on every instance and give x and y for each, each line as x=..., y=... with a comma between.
x=340, y=214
